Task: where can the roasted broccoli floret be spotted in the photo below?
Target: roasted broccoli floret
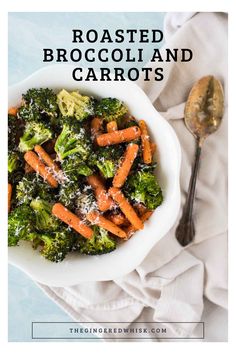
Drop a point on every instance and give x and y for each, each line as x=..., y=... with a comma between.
x=73, y=139
x=20, y=224
x=45, y=221
x=143, y=187
x=72, y=104
x=100, y=243
x=30, y=187
x=106, y=159
x=35, y=133
x=38, y=104
x=74, y=167
x=57, y=245
x=86, y=201
x=14, y=161
x=68, y=193
x=14, y=131
x=110, y=109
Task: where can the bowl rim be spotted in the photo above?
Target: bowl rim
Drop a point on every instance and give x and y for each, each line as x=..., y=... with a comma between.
x=56, y=68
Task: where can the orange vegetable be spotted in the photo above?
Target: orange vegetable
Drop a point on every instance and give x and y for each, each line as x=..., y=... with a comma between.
x=96, y=126
x=46, y=158
x=33, y=160
x=153, y=148
x=72, y=220
x=13, y=111
x=118, y=219
x=9, y=196
x=119, y=136
x=95, y=218
x=103, y=200
x=112, y=126
x=126, y=208
x=123, y=170
x=146, y=147
x=130, y=230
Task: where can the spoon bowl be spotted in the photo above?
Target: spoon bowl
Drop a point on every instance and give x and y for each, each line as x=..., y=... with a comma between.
x=204, y=108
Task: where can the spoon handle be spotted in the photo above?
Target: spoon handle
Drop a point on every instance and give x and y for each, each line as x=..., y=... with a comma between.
x=185, y=231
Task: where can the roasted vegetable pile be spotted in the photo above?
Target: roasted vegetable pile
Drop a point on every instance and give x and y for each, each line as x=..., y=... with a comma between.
x=81, y=173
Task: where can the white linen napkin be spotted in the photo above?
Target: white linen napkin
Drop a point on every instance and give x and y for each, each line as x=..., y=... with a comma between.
x=171, y=283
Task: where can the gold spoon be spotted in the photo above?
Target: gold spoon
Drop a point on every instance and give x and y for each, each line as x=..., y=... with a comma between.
x=203, y=114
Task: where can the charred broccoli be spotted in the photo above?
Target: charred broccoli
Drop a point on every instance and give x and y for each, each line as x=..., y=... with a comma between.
x=72, y=104
x=14, y=131
x=106, y=159
x=20, y=224
x=35, y=133
x=14, y=161
x=110, y=109
x=68, y=193
x=38, y=104
x=73, y=139
x=74, y=167
x=100, y=243
x=30, y=187
x=45, y=221
x=57, y=245
x=143, y=187
x=86, y=201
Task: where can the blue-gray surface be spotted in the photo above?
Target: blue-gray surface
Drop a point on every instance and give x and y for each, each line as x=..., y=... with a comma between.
x=29, y=33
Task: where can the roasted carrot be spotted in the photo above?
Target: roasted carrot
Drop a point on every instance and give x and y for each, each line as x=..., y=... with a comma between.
x=13, y=111
x=9, y=196
x=33, y=160
x=72, y=220
x=119, y=136
x=153, y=148
x=46, y=158
x=126, y=208
x=104, y=201
x=124, y=168
x=95, y=218
x=96, y=126
x=145, y=138
x=118, y=219
x=112, y=126
x=130, y=230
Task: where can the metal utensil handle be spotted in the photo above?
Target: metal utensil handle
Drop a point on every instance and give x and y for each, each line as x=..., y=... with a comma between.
x=185, y=231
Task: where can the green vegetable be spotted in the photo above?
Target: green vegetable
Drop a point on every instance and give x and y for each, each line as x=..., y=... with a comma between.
x=86, y=201
x=13, y=161
x=20, y=224
x=68, y=193
x=110, y=109
x=74, y=167
x=14, y=131
x=45, y=221
x=143, y=187
x=38, y=104
x=106, y=159
x=73, y=140
x=57, y=245
x=99, y=244
x=72, y=104
x=30, y=187
x=35, y=133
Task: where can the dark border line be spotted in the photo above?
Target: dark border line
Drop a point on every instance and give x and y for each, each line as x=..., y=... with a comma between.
x=111, y=338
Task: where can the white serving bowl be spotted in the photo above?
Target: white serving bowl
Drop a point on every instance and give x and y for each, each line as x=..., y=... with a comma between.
x=77, y=268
